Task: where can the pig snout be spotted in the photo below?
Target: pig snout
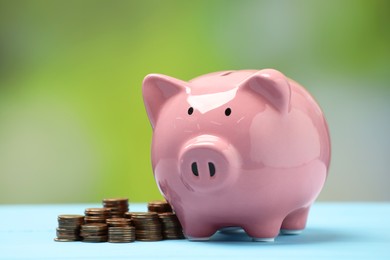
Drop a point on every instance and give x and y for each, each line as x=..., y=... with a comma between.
x=207, y=162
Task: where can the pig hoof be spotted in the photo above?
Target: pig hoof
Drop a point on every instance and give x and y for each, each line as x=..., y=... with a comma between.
x=198, y=238
x=291, y=231
x=262, y=239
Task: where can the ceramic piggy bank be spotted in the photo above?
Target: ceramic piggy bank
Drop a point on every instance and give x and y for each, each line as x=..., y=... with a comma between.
x=247, y=148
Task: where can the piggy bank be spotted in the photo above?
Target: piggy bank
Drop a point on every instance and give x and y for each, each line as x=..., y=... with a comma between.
x=246, y=148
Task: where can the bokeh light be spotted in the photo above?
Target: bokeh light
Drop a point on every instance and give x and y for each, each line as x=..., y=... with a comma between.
x=72, y=122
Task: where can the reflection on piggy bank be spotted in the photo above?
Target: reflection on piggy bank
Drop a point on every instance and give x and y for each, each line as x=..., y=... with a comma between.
x=247, y=148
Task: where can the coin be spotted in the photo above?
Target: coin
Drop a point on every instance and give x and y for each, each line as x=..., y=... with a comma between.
x=97, y=210
x=95, y=239
x=63, y=240
x=117, y=222
x=70, y=216
x=94, y=226
x=116, y=200
x=159, y=206
x=148, y=215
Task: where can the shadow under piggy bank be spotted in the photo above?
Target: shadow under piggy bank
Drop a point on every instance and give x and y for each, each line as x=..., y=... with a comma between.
x=308, y=236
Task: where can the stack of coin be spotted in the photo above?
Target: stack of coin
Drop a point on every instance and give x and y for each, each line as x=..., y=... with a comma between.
x=118, y=206
x=97, y=215
x=147, y=226
x=94, y=232
x=69, y=228
x=159, y=206
x=120, y=231
x=171, y=228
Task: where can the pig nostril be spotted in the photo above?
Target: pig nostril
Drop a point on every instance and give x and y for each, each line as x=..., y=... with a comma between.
x=212, y=169
x=194, y=168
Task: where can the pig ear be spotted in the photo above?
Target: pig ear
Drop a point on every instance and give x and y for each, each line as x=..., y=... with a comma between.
x=273, y=86
x=156, y=90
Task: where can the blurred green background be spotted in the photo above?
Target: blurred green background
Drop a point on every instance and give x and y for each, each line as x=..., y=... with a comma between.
x=72, y=122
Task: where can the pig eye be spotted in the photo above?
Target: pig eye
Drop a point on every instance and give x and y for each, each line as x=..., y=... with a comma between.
x=228, y=111
x=190, y=110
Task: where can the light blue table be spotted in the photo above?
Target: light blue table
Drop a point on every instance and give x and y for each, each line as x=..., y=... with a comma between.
x=334, y=231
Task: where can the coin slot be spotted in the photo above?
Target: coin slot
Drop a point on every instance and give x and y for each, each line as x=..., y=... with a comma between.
x=226, y=73
x=211, y=169
x=194, y=168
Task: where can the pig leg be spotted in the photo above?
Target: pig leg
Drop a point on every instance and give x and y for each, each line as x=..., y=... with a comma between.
x=197, y=231
x=263, y=231
x=295, y=222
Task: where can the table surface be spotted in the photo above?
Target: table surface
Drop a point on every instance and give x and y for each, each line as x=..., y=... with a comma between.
x=334, y=230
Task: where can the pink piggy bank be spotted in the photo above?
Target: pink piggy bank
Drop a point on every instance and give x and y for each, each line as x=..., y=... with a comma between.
x=247, y=148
